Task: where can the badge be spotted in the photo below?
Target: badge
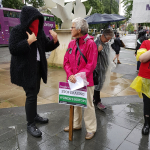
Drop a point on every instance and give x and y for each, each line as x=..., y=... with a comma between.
x=70, y=50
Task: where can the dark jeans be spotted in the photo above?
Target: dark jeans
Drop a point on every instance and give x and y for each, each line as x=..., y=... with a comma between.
x=97, y=97
x=146, y=106
x=31, y=98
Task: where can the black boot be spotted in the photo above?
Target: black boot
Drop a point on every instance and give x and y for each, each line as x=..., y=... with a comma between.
x=33, y=130
x=39, y=119
x=145, y=129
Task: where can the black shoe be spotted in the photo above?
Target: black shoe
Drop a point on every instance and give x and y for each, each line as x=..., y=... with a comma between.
x=39, y=119
x=33, y=130
x=145, y=129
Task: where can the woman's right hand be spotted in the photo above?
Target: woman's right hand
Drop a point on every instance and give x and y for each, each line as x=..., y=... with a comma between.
x=31, y=38
x=72, y=79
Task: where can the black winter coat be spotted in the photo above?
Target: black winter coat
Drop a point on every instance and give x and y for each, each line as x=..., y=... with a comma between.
x=23, y=67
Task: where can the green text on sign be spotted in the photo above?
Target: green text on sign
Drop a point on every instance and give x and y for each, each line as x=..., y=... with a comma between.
x=72, y=99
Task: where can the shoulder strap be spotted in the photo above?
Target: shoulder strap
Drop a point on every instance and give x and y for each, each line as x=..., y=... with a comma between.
x=81, y=52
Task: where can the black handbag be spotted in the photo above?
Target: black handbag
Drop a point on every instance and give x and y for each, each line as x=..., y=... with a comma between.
x=95, y=73
x=113, y=46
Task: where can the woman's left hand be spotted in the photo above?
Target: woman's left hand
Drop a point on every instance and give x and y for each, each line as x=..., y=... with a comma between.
x=54, y=35
x=72, y=79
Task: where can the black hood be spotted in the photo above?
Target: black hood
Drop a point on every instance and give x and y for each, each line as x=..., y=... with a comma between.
x=28, y=15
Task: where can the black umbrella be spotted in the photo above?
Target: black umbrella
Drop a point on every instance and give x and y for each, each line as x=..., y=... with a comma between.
x=103, y=18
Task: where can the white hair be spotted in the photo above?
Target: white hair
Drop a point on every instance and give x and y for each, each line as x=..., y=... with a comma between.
x=82, y=24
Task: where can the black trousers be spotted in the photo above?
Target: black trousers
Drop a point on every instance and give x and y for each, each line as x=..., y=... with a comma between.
x=138, y=65
x=97, y=97
x=31, y=98
x=146, y=106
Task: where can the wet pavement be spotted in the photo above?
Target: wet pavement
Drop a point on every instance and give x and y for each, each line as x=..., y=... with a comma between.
x=119, y=127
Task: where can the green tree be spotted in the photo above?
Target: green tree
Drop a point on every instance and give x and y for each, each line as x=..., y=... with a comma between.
x=128, y=6
x=97, y=6
x=15, y=4
x=130, y=28
x=35, y=3
x=110, y=6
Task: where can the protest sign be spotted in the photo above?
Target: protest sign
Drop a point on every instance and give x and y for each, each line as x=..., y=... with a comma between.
x=75, y=98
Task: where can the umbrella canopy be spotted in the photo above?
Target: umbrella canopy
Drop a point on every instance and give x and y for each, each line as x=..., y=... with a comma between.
x=103, y=18
x=141, y=11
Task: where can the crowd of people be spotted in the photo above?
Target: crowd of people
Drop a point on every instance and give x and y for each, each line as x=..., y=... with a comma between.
x=29, y=66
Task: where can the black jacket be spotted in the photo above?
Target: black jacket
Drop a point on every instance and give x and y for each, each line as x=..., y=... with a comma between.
x=24, y=56
x=118, y=44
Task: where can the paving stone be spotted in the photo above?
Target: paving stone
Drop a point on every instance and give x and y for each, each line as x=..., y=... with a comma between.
x=131, y=112
x=11, y=120
x=126, y=123
x=129, y=146
x=137, y=138
x=103, y=118
x=111, y=135
x=11, y=144
x=7, y=135
x=78, y=136
x=56, y=143
x=88, y=145
x=27, y=141
x=4, y=130
x=122, y=69
x=55, y=125
x=20, y=128
x=140, y=124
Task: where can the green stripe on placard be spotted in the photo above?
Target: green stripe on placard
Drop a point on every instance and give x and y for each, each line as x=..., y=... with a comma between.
x=72, y=99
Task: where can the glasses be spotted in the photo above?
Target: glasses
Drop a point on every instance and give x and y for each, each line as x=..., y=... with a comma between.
x=106, y=37
x=73, y=27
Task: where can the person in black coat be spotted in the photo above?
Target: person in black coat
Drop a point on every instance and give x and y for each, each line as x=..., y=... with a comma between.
x=28, y=44
x=118, y=44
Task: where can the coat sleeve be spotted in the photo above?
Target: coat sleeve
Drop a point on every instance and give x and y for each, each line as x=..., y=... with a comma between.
x=91, y=59
x=18, y=46
x=67, y=65
x=49, y=44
